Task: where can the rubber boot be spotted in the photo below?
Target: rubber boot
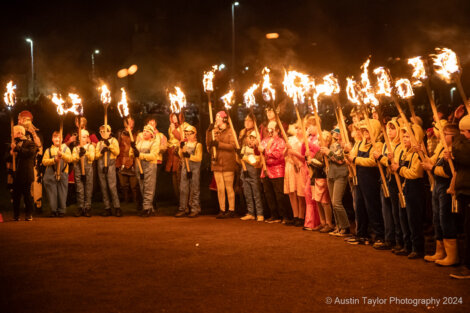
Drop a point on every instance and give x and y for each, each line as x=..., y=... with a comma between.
x=452, y=252
x=440, y=252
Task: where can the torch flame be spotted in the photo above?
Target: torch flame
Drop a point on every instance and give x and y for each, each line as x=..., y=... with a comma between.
x=228, y=99
x=122, y=105
x=404, y=88
x=105, y=95
x=446, y=63
x=384, y=86
x=419, y=72
x=329, y=87
x=9, y=96
x=59, y=102
x=177, y=100
x=207, y=80
x=352, y=90
x=76, y=107
x=249, y=97
x=269, y=94
x=367, y=92
x=296, y=85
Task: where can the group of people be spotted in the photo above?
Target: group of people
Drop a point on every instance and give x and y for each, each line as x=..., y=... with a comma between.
x=291, y=174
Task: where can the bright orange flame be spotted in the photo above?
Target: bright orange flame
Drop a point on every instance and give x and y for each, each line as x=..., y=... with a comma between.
x=446, y=63
x=249, y=97
x=352, y=88
x=384, y=85
x=9, y=96
x=105, y=95
x=59, y=102
x=404, y=88
x=296, y=85
x=76, y=107
x=177, y=101
x=208, y=78
x=122, y=105
x=329, y=87
x=419, y=72
x=228, y=99
x=269, y=94
x=367, y=92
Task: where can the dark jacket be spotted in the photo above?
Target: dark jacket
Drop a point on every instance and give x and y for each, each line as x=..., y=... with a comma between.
x=25, y=157
x=226, y=150
x=461, y=153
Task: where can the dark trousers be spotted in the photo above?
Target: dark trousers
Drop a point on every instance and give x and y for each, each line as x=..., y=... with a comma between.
x=278, y=202
x=445, y=222
x=464, y=207
x=394, y=219
x=367, y=201
x=20, y=189
x=412, y=216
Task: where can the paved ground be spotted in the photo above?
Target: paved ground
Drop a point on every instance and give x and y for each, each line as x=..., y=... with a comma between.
x=163, y=264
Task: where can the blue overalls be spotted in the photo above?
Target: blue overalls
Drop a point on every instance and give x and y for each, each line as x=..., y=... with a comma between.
x=56, y=190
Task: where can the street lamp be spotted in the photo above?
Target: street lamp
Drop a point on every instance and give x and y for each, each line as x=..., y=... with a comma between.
x=32, y=65
x=452, y=90
x=234, y=4
x=93, y=63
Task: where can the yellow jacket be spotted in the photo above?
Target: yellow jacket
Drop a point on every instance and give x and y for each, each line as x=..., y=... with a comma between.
x=89, y=153
x=440, y=166
x=50, y=154
x=196, y=155
x=153, y=146
x=410, y=165
x=113, y=148
x=364, y=146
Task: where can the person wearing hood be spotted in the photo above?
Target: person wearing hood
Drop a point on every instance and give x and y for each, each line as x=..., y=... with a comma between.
x=58, y=155
x=445, y=222
x=391, y=205
x=460, y=154
x=367, y=192
x=225, y=165
x=409, y=167
x=84, y=183
x=251, y=179
x=107, y=174
x=190, y=181
x=25, y=151
x=146, y=150
x=173, y=161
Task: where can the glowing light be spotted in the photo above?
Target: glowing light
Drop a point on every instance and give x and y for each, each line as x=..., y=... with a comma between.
x=76, y=107
x=384, y=86
x=404, y=88
x=177, y=100
x=296, y=85
x=352, y=88
x=9, y=97
x=269, y=94
x=228, y=99
x=105, y=95
x=367, y=92
x=249, y=97
x=419, y=72
x=272, y=35
x=123, y=106
x=207, y=81
x=446, y=63
x=59, y=102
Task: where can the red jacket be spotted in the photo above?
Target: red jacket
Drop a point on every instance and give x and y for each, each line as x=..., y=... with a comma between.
x=274, y=155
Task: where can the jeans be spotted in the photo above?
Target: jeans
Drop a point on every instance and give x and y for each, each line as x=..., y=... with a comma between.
x=412, y=216
x=395, y=207
x=251, y=189
x=190, y=188
x=445, y=222
x=108, y=182
x=147, y=184
x=336, y=187
x=84, y=188
x=56, y=190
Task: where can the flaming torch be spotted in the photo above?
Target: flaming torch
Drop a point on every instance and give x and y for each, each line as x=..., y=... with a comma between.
x=10, y=99
x=106, y=100
x=385, y=80
x=61, y=110
x=208, y=88
x=228, y=102
x=250, y=101
x=77, y=109
x=419, y=76
x=447, y=67
x=123, y=108
x=269, y=95
x=177, y=104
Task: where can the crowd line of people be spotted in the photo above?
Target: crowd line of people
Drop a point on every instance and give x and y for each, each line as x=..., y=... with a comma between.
x=298, y=178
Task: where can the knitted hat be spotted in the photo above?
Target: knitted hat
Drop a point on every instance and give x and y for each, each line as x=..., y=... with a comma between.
x=222, y=114
x=150, y=129
x=190, y=128
x=26, y=114
x=464, y=123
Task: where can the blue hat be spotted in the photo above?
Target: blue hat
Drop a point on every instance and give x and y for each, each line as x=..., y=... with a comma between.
x=336, y=130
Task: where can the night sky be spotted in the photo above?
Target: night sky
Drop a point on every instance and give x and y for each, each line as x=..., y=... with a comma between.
x=173, y=42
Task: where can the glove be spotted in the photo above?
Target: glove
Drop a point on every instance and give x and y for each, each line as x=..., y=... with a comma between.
x=189, y=175
x=106, y=142
x=245, y=174
x=104, y=150
x=215, y=144
x=136, y=153
x=133, y=146
x=105, y=170
x=186, y=155
x=182, y=143
x=82, y=152
x=239, y=152
x=83, y=178
x=125, y=133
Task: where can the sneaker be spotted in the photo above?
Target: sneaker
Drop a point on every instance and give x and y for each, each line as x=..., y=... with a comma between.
x=343, y=233
x=260, y=218
x=193, y=214
x=463, y=273
x=318, y=227
x=180, y=214
x=28, y=219
x=326, y=229
x=220, y=215
x=380, y=245
x=403, y=252
x=307, y=228
x=273, y=220
x=334, y=232
x=247, y=217
x=357, y=241
x=396, y=248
